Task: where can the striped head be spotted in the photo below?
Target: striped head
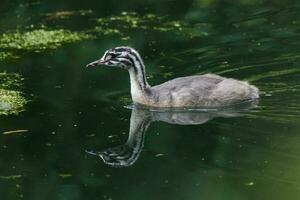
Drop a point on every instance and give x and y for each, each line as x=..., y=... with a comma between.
x=123, y=57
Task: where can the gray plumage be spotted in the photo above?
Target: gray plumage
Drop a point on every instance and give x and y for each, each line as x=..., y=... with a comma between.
x=206, y=90
x=203, y=90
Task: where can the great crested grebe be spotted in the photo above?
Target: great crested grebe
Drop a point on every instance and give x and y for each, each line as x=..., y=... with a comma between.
x=208, y=90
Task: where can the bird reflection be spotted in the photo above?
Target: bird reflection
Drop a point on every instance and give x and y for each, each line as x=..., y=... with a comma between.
x=127, y=154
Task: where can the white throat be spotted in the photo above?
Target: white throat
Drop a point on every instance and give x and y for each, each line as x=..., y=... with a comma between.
x=138, y=93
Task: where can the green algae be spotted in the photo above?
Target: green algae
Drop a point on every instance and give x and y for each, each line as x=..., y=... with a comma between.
x=169, y=26
x=12, y=101
x=10, y=80
x=107, y=31
x=7, y=55
x=129, y=21
x=132, y=20
x=40, y=39
x=66, y=14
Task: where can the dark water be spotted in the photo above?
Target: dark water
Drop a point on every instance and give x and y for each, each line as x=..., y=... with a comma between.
x=57, y=109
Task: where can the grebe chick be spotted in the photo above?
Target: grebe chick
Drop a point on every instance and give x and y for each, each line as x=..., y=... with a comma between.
x=208, y=90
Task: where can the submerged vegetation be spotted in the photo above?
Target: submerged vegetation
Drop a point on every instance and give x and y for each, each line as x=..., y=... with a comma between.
x=12, y=101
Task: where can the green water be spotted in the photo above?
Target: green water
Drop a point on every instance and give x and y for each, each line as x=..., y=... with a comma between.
x=53, y=110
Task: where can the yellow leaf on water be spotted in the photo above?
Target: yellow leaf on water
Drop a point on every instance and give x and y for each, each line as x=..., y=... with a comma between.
x=11, y=177
x=249, y=184
x=15, y=131
x=65, y=175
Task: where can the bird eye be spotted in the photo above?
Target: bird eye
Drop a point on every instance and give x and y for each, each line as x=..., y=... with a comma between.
x=108, y=57
x=111, y=56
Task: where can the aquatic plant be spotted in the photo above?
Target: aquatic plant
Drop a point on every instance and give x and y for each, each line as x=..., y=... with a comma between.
x=127, y=21
x=10, y=80
x=107, y=31
x=40, y=39
x=12, y=101
x=67, y=14
x=7, y=55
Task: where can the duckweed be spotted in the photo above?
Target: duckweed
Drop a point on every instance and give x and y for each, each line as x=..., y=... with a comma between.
x=10, y=80
x=7, y=55
x=107, y=31
x=131, y=20
x=67, y=14
x=40, y=39
x=128, y=20
x=11, y=100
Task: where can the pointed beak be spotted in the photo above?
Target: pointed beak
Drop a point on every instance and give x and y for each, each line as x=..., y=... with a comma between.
x=95, y=63
x=100, y=154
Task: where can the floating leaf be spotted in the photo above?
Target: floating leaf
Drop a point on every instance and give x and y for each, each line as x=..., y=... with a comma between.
x=15, y=131
x=65, y=175
x=11, y=177
x=249, y=184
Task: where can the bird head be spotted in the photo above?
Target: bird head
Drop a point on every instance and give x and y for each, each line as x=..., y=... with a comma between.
x=123, y=57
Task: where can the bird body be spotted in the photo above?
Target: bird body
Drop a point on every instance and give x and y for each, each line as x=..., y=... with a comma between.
x=203, y=90
x=208, y=90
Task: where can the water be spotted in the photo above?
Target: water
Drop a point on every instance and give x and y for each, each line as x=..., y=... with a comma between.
x=54, y=110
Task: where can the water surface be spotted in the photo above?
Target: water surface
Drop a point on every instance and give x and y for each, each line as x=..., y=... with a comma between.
x=53, y=109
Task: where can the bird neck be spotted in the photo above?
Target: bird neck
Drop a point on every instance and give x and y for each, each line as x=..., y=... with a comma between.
x=139, y=122
x=139, y=85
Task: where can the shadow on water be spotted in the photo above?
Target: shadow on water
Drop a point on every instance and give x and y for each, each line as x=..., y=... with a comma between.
x=141, y=118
